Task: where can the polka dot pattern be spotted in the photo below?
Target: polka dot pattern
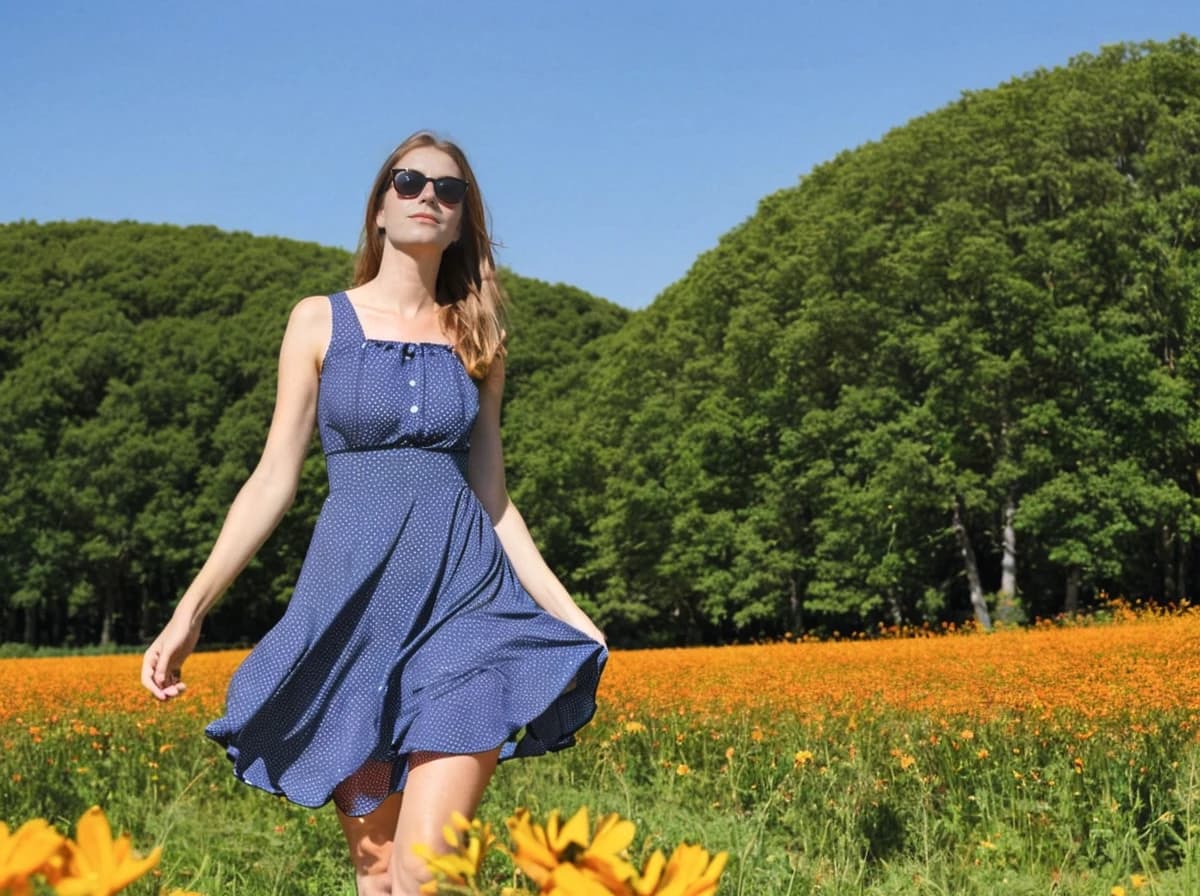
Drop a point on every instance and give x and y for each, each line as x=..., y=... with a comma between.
x=408, y=631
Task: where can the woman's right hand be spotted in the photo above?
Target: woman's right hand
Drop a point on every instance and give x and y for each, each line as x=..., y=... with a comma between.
x=162, y=664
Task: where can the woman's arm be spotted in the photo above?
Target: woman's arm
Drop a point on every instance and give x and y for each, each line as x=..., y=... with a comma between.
x=262, y=500
x=485, y=472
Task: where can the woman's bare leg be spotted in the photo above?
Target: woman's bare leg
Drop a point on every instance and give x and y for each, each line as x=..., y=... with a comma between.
x=438, y=784
x=370, y=840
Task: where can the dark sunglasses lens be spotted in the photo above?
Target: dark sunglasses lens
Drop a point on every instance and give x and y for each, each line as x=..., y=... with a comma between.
x=450, y=189
x=409, y=183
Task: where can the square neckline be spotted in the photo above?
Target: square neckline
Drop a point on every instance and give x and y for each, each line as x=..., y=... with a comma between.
x=365, y=338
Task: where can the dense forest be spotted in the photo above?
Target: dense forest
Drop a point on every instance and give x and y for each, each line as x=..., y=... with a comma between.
x=138, y=380
x=950, y=374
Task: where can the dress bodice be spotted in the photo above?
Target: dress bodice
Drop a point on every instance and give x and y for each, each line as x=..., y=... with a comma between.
x=378, y=393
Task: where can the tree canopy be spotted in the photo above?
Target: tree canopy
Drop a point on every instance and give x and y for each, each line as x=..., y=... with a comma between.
x=952, y=373
x=139, y=368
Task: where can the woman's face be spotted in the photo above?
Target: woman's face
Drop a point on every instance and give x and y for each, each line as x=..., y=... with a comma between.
x=423, y=220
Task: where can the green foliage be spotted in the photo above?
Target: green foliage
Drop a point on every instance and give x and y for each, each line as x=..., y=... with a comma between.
x=994, y=306
x=881, y=802
x=136, y=386
x=971, y=345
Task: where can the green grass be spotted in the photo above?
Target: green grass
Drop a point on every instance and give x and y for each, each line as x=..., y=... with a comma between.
x=887, y=804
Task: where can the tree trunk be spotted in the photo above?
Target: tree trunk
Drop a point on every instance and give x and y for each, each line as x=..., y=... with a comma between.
x=794, y=605
x=1181, y=571
x=972, y=568
x=1167, y=563
x=1007, y=609
x=1071, y=601
x=145, y=616
x=106, y=623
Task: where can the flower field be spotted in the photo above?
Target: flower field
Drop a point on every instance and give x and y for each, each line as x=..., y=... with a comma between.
x=1052, y=760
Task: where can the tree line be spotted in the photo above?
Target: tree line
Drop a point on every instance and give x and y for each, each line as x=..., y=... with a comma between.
x=951, y=374
x=139, y=367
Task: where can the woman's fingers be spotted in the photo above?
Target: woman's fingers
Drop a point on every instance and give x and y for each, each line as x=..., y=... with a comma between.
x=158, y=675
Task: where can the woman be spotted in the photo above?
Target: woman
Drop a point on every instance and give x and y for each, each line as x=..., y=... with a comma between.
x=425, y=630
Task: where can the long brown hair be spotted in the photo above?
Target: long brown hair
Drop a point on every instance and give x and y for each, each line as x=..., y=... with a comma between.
x=471, y=302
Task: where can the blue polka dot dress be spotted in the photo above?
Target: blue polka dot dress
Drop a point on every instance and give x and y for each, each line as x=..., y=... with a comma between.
x=408, y=630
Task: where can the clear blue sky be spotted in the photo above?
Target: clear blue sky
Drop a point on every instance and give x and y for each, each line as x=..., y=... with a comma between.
x=614, y=141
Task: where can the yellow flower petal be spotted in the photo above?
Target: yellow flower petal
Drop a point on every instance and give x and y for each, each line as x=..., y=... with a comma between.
x=647, y=883
x=574, y=831
x=613, y=834
x=26, y=851
x=568, y=880
x=99, y=866
x=689, y=872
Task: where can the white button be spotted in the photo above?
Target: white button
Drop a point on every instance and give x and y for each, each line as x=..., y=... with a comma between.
x=412, y=382
x=413, y=409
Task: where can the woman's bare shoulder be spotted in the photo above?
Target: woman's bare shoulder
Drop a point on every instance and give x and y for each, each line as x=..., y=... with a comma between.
x=309, y=326
x=311, y=318
x=312, y=310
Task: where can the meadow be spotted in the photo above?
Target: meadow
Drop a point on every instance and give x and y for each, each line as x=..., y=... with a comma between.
x=1057, y=759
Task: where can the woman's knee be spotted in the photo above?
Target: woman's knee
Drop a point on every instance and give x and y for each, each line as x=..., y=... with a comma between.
x=370, y=840
x=408, y=871
x=374, y=884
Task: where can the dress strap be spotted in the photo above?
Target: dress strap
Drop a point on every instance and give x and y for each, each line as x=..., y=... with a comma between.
x=346, y=328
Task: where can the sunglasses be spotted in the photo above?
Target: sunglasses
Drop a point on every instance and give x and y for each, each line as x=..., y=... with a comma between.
x=410, y=183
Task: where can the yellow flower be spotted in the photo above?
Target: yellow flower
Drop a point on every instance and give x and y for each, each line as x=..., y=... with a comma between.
x=540, y=850
x=682, y=769
x=1138, y=881
x=689, y=872
x=604, y=857
x=568, y=880
x=634, y=727
x=559, y=856
x=98, y=865
x=802, y=757
x=1118, y=890
x=462, y=865
x=25, y=852
x=906, y=760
